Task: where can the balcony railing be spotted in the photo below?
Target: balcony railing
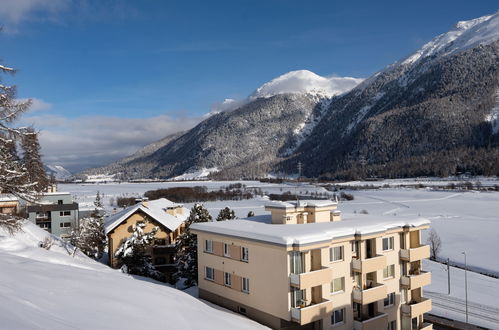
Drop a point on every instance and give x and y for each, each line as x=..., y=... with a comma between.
x=415, y=254
x=426, y=326
x=416, y=281
x=417, y=308
x=379, y=321
x=366, y=296
x=369, y=265
x=311, y=279
x=311, y=313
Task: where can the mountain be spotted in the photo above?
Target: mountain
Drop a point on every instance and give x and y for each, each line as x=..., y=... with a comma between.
x=432, y=113
x=58, y=171
x=242, y=137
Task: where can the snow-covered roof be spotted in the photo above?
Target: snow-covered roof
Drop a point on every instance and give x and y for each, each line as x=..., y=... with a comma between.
x=303, y=203
x=156, y=209
x=303, y=234
x=8, y=198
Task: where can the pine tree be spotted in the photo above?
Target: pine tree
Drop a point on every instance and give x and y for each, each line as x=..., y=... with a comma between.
x=33, y=160
x=132, y=253
x=90, y=236
x=187, y=252
x=98, y=201
x=226, y=214
x=13, y=174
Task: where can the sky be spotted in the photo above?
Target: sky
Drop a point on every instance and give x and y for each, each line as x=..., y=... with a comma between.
x=107, y=77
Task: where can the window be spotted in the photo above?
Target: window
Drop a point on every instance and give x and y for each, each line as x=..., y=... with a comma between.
x=338, y=285
x=65, y=224
x=244, y=253
x=389, y=300
x=226, y=250
x=297, y=298
x=160, y=261
x=59, y=202
x=64, y=213
x=403, y=296
x=297, y=261
x=209, y=273
x=245, y=284
x=208, y=246
x=402, y=240
x=227, y=279
x=160, y=241
x=392, y=325
x=338, y=316
x=389, y=272
x=387, y=243
x=336, y=253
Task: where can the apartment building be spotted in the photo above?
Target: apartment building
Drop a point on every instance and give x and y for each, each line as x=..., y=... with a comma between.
x=55, y=212
x=8, y=204
x=304, y=267
x=168, y=216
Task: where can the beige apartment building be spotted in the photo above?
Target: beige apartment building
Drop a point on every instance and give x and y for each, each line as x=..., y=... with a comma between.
x=304, y=267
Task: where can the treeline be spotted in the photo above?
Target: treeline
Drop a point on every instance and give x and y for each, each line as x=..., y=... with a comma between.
x=199, y=193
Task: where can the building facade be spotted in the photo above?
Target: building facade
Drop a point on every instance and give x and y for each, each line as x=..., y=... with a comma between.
x=170, y=219
x=306, y=268
x=9, y=204
x=55, y=212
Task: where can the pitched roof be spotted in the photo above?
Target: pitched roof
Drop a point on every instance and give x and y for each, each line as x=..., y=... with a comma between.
x=156, y=209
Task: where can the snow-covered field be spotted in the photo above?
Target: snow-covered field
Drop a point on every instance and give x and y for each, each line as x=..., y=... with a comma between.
x=465, y=220
x=42, y=289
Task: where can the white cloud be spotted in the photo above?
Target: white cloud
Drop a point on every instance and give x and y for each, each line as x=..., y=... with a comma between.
x=37, y=104
x=78, y=143
x=16, y=11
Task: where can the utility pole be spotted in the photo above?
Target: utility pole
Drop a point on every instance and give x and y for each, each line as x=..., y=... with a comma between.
x=466, y=284
x=448, y=277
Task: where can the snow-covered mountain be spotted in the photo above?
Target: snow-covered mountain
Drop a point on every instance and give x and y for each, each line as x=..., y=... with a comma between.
x=58, y=171
x=431, y=113
x=303, y=82
x=52, y=289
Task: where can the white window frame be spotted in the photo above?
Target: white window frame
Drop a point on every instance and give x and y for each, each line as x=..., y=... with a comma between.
x=390, y=243
x=244, y=253
x=334, y=289
x=62, y=213
x=208, y=246
x=335, y=322
x=63, y=224
x=387, y=268
x=227, y=279
x=333, y=257
x=226, y=250
x=389, y=301
x=212, y=278
x=245, y=285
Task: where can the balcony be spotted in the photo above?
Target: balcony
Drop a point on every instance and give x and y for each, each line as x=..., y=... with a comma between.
x=416, y=281
x=414, y=309
x=311, y=313
x=415, y=254
x=377, y=322
x=369, y=265
x=426, y=326
x=311, y=279
x=369, y=295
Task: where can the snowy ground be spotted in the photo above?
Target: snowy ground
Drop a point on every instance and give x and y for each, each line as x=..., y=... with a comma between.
x=483, y=305
x=42, y=289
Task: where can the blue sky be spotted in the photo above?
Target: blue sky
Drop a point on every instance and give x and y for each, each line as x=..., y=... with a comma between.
x=172, y=60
